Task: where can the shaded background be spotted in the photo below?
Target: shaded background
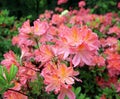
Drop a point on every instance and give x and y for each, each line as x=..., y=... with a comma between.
x=21, y=8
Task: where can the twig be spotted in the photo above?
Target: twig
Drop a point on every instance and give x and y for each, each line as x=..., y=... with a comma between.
x=18, y=92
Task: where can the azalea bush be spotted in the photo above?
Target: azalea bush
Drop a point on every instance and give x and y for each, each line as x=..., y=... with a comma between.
x=71, y=55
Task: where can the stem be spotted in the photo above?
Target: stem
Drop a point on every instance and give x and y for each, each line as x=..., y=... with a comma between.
x=32, y=69
x=18, y=92
x=37, y=42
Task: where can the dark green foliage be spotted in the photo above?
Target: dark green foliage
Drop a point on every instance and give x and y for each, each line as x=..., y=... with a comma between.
x=6, y=31
x=22, y=8
x=88, y=86
x=79, y=94
x=102, y=6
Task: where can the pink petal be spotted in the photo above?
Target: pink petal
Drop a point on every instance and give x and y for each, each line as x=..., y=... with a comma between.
x=61, y=95
x=76, y=60
x=50, y=87
x=86, y=58
x=70, y=94
x=66, y=55
x=69, y=80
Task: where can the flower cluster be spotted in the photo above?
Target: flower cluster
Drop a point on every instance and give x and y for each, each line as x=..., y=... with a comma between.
x=57, y=44
x=59, y=77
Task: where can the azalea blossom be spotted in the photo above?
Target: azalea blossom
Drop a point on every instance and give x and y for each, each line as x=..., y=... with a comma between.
x=81, y=4
x=66, y=92
x=40, y=28
x=79, y=41
x=10, y=58
x=56, y=77
x=44, y=54
x=113, y=64
x=83, y=55
x=61, y=2
x=26, y=28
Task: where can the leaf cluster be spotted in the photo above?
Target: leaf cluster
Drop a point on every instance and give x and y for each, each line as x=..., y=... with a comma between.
x=6, y=78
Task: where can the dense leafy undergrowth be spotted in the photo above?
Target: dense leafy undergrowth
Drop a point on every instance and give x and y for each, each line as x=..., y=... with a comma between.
x=72, y=54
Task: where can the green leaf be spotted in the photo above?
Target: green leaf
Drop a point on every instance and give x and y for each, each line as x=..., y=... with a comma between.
x=117, y=96
x=1, y=70
x=2, y=80
x=82, y=96
x=13, y=71
x=6, y=74
x=2, y=90
x=77, y=91
x=11, y=85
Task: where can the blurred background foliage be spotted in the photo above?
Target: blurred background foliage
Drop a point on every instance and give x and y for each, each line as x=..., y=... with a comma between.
x=22, y=8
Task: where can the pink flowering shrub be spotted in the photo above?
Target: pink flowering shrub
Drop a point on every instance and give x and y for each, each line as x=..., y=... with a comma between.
x=59, y=2
x=66, y=54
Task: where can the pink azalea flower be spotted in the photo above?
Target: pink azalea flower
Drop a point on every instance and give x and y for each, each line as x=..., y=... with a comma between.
x=90, y=38
x=81, y=4
x=50, y=78
x=57, y=76
x=114, y=29
x=15, y=40
x=14, y=95
x=26, y=72
x=44, y=54
x=26, y=28
x=10, y=58
x=79, y=41
x=83, y=55
x=61, y=2
x=113, y=64
x=99, y=60
x=40, y=28
x=53, y=83
x=26, y=52
x=58, y=9
x=118, y=5
x=66, y=91
x=53, y=30
x=63, y=48
x=23, y=39
x=110, y=41
x=68, y=38
x=73, y=36
x=66, y=74
x=48, y=14
x=17, y=86
x=57, y=19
